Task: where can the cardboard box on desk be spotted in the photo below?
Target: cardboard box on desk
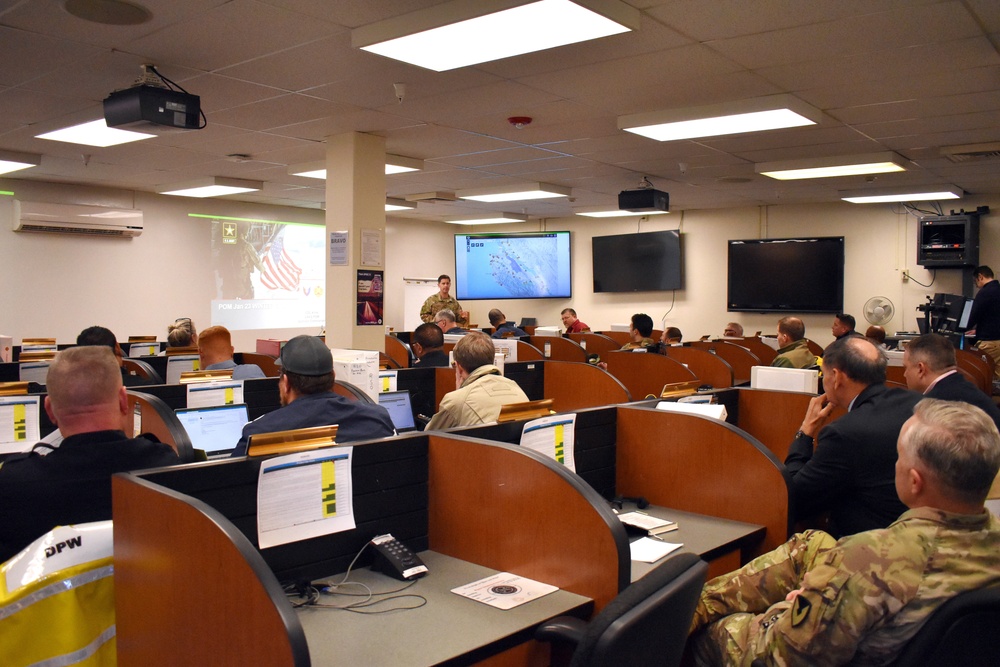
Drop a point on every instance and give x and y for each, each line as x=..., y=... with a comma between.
x=6, y=348
x=270, y=346
x=358, y=367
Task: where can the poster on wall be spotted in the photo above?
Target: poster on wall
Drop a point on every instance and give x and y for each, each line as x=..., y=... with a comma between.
x=369, y=298
x=268, y=274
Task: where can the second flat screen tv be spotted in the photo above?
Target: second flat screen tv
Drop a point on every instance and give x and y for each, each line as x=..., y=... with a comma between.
x=799, y=275
x=530, y=265
x=646, y=262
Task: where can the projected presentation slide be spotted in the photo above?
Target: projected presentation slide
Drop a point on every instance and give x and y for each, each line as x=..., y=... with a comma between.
x=268, y=275
x=513, y=266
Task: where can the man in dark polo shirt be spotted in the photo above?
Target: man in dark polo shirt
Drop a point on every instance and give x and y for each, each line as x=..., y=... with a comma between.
x=307, y=399
x=72, y=484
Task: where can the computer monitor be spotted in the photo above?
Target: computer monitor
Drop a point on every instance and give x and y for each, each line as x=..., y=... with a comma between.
x=182, y=363
x=400, y=409
x=215, y=429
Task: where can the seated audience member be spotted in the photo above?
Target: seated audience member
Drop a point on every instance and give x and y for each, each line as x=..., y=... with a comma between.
x=850, y=470
x=182, y=333
x=843, y=325
x=427, y=344
x=930, y=367
x=480, y=389
x=733, y=330
x=572, y=324
x=101, y=336
x=72, y=483
x=503, y=328
x=445, y=319
x=876, y=335
x=793, y=349
x=215, y=347
x=307, y=399
x=671, y=336
x=640, y=329
x=815, y=601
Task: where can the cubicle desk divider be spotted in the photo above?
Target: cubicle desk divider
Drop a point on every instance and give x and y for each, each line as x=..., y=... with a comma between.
x=697, y=464
x=560, y=349
x=644, y=374
x=196, y=566
x=265, y=362
x=595, y=343
x=159, y=419
x=708, y=368
x=574, y=386
x=397, y=350
x=157, y=363
x=739, y=358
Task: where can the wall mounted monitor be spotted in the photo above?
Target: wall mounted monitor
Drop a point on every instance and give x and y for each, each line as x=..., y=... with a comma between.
x=647, y=262
x=513, y=266
x=797, y=275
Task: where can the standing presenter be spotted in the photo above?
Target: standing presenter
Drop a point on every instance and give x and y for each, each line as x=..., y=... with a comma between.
x=441, y=301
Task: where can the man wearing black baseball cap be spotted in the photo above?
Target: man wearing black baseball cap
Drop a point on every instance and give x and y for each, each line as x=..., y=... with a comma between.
x=307, y=399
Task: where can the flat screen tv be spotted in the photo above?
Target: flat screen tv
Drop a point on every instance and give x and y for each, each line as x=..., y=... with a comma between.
x=527, y=265
x=646, y=262
x=800, y=275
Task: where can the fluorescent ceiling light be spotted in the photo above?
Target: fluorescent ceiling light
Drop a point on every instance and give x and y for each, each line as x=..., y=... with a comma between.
x=844, y=165
x=393, y=204
x=398, y=164
x=602, y=212
x=754, y=115
x=213, y=186
x=394, y=164
x=883, y=195
x=465, y=32
x=95, y=133
x=514, y=192
x=15, y=161
x=487, y=219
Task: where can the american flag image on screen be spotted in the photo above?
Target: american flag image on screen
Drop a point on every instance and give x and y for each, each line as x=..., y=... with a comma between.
x=280, y=272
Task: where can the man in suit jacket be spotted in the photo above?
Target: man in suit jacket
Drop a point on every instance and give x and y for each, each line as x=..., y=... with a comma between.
x=930, y=367
x=850, y=468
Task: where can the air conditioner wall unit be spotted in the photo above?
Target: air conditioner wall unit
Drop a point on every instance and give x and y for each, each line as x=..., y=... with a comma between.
x=103, y=221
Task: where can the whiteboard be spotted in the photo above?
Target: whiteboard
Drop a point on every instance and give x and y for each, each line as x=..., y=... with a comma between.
x=415, y=292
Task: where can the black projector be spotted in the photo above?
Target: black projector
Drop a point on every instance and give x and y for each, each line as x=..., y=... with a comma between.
x=152, y=109
x=644, y=200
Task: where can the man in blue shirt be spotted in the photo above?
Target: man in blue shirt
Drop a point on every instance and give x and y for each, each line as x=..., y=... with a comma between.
x=215, y=347
x=503, y=328
x=307, y=399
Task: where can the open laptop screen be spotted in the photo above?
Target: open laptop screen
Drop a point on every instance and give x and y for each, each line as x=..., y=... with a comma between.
x=215, y=429
x=400, y=409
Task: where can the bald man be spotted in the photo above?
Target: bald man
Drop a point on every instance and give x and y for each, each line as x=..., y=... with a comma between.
x=847, y=466
x=72, y=484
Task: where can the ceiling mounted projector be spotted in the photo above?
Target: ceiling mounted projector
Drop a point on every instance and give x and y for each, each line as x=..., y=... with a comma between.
x=644, y=200
x=152, y=109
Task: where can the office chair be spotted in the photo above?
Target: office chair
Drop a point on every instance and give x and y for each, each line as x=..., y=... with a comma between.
x=962, y=631
x=646, y=624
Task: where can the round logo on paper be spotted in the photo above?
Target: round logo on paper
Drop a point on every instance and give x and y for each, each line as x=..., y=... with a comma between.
x=505, y=589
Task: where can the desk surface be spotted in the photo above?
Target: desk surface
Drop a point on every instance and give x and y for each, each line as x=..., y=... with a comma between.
x=449, y=628
x=706, y=536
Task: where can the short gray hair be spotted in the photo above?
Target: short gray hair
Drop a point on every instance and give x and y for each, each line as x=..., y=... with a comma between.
x=446, y=314
x=959, y=444
x=83, y=377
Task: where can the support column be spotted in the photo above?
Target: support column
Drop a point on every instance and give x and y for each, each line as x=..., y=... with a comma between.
x=355, y=201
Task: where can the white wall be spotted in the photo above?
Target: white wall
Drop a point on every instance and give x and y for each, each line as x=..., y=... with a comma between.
x=57, y=285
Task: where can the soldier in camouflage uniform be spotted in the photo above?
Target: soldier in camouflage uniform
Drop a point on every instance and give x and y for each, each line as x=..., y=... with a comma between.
x=435, y=303
x=817, y=601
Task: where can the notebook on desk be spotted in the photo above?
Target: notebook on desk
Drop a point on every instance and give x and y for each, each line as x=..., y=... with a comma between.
x=215, y=429
x=400, y=409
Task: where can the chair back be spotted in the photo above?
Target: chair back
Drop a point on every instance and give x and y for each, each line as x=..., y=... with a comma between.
x=648, y=622
x=961, y=632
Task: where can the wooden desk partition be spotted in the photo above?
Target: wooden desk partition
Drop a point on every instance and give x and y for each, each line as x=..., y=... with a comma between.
x=696, y=464
x=707, y=367
x=644, y=374
x=772, y=417
x=574, y=386
x=398, y=351
x=765, y=352
x=594, y=343
x=493, y=504
x=263, y=361
x=620, y=337
x=560, y=349
x=191, y=589
x=160, y=420
x=739, y=358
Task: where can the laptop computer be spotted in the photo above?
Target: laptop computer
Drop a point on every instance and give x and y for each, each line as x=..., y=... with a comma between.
x=400, y=409
x=215, y=429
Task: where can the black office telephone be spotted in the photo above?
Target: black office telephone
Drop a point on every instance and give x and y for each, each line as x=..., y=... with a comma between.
x=394, y=558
